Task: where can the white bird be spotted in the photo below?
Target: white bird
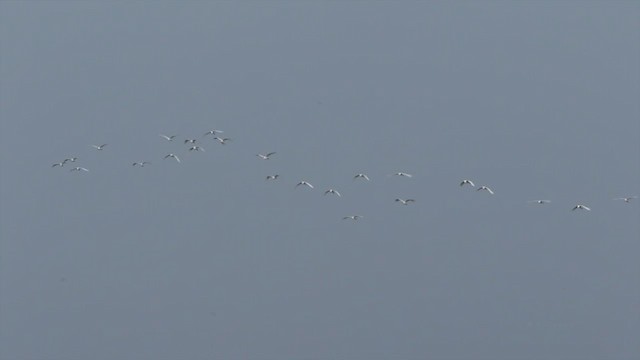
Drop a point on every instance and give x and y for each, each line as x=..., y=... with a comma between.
x=581, y=207
x=78, y=168
x=485, y=188
x=361, y=176
x=539, y=201
x=304, y=183
x=222, y=141
x=99, y=147
x=61, y=164
x=353, y=217
x=213, y=132
x=172, y=156
x=72, y=159
x=405, y=202
x=196, y=148
x=141, y=164
x=626, y=199
x=272, y=177
x=331, y=191
x=400, y=173
x=465, y=181
x=265, y=157
x=168, y=138
x=190, y=141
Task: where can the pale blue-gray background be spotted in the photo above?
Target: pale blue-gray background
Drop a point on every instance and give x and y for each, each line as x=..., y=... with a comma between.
x=207, y=260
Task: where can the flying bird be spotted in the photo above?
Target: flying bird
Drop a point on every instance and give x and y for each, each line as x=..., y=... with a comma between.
x=190, y=141
x=61, y=164
x=72, y=159
x=141, y=164
x=222, y=141
x=582, y=207
x=626, y=199
x=196, y=148
x=403, y=174
x=168, y=138
x=465, y=182
x=331, y=191
x=304, y=183
x=361, y=176
x=273, y=177
x=265, y=157
x=78, y=168
x=405, y=202
x=99, y=147
x=353, y=217
x=486, y=188
x=172, y=156
x=539, y=201
x=213, y=132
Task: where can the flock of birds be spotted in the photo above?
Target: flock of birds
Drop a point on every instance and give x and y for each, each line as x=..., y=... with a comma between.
x=191, y=143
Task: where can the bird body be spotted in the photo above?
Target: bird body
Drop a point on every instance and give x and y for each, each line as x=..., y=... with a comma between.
x=582, y=207
x=331, y=191
x=353, y=217
x=404, y=174
x=99, y=147
x=305, y=183
x=168, y=138
x=273, y=177
x=626, y=199
x=465, y=182
x=265, y=157
x=539, y=201
x=172, y=156
x=361, y=176
x=405, y=202
x=485, y=188
x=79, y=168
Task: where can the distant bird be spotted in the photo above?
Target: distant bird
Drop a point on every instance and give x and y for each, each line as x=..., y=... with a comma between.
x=465, y=182
x=190, y=141
x=78, y=168
x=141, y=164
x=625, y=199
x=61, y=164
x=265, y=157
x=273, y=177
x=353, y=217
x=403, y=174
x=486, y=188
x=539, y=201
x=222, y=141
x=361, y=176
x=213, y=132
x=72, y=159
x=331, y=191
x=581, y=207
x=405, y=202
x=99, y=147
x=168, y=138
x=304, y=183
x=172, y=156
x=196, y=148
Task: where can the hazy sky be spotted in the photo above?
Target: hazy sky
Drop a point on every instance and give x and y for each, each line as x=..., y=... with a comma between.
x=204, y=259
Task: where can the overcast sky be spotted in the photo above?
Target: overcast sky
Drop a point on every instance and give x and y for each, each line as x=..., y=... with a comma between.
x=205, y=259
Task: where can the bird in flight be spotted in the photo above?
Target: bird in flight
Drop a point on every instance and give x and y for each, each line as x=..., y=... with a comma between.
x=273, y=177
x=400, y=173
x=304, y=183
x=222, y=141
x=539, y=201
x=353, y=217
x=172, y=156
x=331, y=191
x=265, y=157
x=361, y=176
x=213, y=132
x=405, y=202
x=196, y=148
x=99, y=147
x=72, y=159
x=465, y=182
x=486, y=188
x=78, y=168
x=582, y=207
x=141, y=164
x=189, y=141
x=168, y=138
x=626, y=199
x=61, y=164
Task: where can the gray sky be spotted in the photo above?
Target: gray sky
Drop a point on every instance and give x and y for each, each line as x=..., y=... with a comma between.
x=206, y=260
